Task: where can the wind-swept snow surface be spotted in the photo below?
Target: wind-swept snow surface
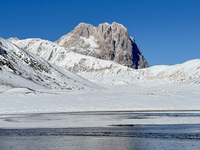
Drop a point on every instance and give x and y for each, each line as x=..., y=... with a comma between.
x=144, y=96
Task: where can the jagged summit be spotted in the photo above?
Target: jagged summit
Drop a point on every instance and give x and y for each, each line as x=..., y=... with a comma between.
x=107, y=41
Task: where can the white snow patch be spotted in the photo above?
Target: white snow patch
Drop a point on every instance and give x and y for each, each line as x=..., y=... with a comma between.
x=90, y=41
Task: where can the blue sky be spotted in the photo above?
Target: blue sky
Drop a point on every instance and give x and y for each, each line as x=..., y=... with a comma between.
x=167, y=31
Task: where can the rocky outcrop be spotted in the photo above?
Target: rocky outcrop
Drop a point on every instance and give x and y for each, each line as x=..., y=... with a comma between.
x=107, y=41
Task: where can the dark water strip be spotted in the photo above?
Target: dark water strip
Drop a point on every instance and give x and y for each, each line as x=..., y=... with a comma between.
x=183, y=132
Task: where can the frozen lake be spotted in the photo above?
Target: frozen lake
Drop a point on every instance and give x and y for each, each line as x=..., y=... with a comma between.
x=101, y=131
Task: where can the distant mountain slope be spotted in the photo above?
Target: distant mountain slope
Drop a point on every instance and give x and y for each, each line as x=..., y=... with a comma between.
x=19, y=68
x=66, y=58
x=107, y=42
x=108, y=72
x=188, y=72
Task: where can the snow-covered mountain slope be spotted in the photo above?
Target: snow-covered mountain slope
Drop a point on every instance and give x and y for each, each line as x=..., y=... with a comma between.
x=19, y=68
x=188, y=72
x=152, y=89
x=66, y=58
x=108, y=72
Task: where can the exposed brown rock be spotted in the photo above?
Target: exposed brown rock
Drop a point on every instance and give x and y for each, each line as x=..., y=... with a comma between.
x=107, y=41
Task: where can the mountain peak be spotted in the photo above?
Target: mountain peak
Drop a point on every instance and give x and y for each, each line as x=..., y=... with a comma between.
x=107, y=41
x=13, y=39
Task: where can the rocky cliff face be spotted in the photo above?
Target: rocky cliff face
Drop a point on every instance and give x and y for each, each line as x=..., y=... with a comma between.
x=107, y=41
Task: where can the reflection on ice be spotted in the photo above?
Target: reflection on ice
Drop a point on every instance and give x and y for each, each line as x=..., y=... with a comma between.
x=64, y=120
x=101, y=131
x=139, y=137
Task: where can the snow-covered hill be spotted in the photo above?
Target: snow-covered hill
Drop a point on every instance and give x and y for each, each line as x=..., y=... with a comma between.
x=19, y=68
x=66, y=58
x=108, y=72
x=151, y=89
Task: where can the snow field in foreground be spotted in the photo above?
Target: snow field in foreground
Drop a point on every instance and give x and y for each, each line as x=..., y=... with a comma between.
x=144, y=96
